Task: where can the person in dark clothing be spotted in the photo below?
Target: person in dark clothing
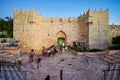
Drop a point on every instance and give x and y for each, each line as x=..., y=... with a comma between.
x=38, y=62
x=48, y=52
x=48, y=77
x=19, y=62
x=44, y=51
x=31, y=57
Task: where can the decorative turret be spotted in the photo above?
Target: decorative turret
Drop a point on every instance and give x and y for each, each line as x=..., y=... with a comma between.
x=89, y=17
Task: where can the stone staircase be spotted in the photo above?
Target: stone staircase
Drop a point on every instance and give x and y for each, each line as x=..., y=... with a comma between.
x=113, y=73
x=9, y=70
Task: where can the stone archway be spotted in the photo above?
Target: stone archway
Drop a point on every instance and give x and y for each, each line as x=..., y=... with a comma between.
x=61, y=38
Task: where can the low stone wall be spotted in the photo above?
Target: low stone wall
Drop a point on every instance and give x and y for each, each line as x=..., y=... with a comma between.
x=8, y=39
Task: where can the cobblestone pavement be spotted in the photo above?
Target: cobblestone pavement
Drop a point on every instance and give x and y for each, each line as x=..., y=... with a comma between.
x=75, y=67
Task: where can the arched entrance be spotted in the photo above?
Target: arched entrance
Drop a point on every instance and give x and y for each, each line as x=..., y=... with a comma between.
x=61, y=38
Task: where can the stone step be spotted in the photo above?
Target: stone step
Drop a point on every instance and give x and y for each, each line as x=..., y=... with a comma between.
x=14, y=73
x=92, y=69
x=116, y=73
x=110, y=73
x=117, y=56
x=21, y=74
x=98, y=73
x=2, y=73
x=8, y=58
x=2, y=51
x=29, y=74
x=7, y=73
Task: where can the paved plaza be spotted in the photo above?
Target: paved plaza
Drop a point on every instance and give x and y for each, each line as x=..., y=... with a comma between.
x=74, y=66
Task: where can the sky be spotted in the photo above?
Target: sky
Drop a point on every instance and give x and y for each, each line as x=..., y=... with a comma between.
x=64, y=8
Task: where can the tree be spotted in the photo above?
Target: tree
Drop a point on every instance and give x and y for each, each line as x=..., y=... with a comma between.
x=6, y=27
x=116, y=40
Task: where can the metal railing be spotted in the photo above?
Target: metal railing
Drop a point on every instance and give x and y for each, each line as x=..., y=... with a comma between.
x=106, y=72
x=109, y=69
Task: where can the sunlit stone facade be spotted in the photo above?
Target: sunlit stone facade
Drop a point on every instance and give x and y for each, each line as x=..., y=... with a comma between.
x=35, y=31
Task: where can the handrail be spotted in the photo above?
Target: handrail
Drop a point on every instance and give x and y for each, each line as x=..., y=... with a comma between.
x=111, y=69
x=104, y=71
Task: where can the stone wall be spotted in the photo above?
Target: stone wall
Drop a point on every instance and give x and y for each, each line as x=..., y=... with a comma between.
x=114, y=30
x=84, y=28
x=8, y=39
x=98, y=29
x=35, y=31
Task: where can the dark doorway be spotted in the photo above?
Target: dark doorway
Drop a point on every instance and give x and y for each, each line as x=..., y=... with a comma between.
x=60, y=41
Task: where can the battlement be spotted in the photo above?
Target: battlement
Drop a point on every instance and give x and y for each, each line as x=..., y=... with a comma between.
x=33, y=14
x=87, y=16
x=101, y=11
x=62, y=19
x=93, y=16
x=25, y=11
x=98, y=11
x=113, y=26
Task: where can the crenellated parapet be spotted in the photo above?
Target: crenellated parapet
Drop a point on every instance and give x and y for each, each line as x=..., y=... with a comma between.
x=90, y=12
x=27, y=16
x=34, y=17
x=17, y=13
x=60, y=19
x=113, y=26
x=100, y=11
x=98, y=17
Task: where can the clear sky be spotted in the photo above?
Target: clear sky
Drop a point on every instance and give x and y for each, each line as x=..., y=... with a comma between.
x=65, y=8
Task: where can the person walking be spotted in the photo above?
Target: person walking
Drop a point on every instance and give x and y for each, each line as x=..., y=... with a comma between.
x=19, y=62
x=31, y=56
x=18, y=57
x=48, y=77
x=31, y=59
x=18, y=52
x=38, y=62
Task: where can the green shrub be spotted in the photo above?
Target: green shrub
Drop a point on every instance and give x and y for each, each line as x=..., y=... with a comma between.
x=95, y=50
x=2, y=35
x=116, y=43
x=116, y=40
x=115, y=47
x=77, y=48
